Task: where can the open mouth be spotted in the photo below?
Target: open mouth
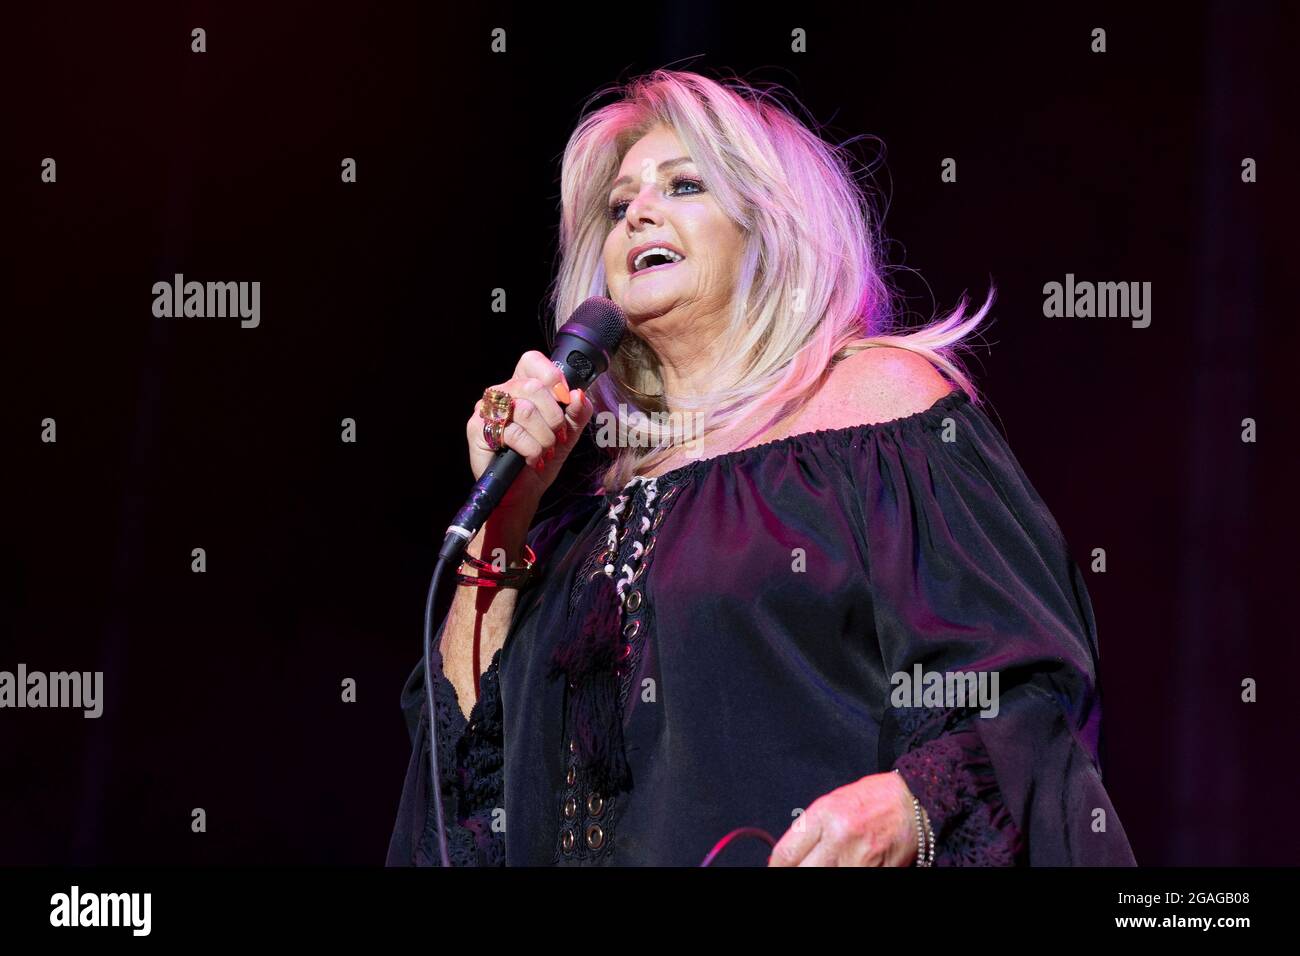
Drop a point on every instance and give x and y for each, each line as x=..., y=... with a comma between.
x=654, y=258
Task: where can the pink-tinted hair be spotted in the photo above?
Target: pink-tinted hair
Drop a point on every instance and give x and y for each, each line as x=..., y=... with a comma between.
x=810, y=287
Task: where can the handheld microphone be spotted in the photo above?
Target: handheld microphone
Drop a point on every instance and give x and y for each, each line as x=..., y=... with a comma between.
x=582, y=351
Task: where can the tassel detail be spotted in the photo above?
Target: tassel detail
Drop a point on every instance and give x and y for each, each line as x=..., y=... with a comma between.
x=587, y=659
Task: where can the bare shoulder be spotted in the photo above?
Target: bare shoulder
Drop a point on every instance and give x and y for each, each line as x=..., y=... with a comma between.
x=877, y=384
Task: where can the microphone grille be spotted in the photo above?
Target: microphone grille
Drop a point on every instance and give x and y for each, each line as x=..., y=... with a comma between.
x=604, y=319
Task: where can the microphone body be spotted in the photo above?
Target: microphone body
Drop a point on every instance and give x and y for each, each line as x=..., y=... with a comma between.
x=582, y=352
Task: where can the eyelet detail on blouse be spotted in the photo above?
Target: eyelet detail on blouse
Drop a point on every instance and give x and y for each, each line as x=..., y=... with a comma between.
x=639, y=509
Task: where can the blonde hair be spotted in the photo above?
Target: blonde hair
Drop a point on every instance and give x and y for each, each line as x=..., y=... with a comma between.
x=809, y=290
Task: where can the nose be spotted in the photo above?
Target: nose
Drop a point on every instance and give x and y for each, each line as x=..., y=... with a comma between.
x=644, y=209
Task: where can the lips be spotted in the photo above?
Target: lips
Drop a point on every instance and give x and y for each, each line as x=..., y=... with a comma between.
x=637, y=250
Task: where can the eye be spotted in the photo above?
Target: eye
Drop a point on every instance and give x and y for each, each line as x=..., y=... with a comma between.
x=688, y=181
x=618, y=208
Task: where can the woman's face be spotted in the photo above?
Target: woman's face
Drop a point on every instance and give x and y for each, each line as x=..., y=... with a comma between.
x=659, y=199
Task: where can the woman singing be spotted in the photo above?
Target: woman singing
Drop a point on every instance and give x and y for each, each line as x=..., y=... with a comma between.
x=761, y=625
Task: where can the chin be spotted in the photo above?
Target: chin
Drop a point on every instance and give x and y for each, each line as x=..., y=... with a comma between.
x=649, y=303
x=642, y=310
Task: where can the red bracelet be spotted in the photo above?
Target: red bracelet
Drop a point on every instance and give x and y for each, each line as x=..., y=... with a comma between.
x=490, y=577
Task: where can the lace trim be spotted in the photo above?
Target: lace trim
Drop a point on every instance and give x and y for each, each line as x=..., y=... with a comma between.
x=953, y=778
x=588, y=568
x=471, y=773
x=480, y=752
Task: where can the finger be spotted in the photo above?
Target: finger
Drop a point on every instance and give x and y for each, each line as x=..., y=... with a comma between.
x=529, y=420
x=825, y=853
x=537, y=392
x=521, y=440
x=534, y=364
x=797, y=841
x=527, y=416
x=512, y=436
x=579, y=411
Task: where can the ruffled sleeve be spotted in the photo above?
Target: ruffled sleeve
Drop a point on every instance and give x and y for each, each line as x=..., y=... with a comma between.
x=953, y=778
x=970, y=574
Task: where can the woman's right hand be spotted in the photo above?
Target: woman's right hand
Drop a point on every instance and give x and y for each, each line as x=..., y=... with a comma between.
x=541, y=429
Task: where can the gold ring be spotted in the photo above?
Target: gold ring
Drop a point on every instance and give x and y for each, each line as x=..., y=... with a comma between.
x=492, y=434
x=498, y=406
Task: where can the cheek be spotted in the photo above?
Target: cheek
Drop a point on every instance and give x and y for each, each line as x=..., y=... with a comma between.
x=722, y=252
x=610, y=259
x=718, y=235
x=729, y=237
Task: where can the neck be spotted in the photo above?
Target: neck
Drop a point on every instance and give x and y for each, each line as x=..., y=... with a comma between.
x=688, y=350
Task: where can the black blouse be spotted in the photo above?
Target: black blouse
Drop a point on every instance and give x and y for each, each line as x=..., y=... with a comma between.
x=770, y=594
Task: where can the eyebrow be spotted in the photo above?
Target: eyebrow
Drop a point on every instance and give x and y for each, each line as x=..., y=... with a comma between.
x=669, y=164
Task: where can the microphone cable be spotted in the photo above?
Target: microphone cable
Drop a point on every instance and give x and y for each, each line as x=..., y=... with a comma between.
x=734, y=835
x=435, y=778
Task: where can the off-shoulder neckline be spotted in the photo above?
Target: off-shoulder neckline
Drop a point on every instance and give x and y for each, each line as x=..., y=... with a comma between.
x=946, y=403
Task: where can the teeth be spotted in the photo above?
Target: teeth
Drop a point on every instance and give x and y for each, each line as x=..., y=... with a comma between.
x=638, y=262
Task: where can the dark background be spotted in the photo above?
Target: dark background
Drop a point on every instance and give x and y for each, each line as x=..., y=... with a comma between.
x=223, y=689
